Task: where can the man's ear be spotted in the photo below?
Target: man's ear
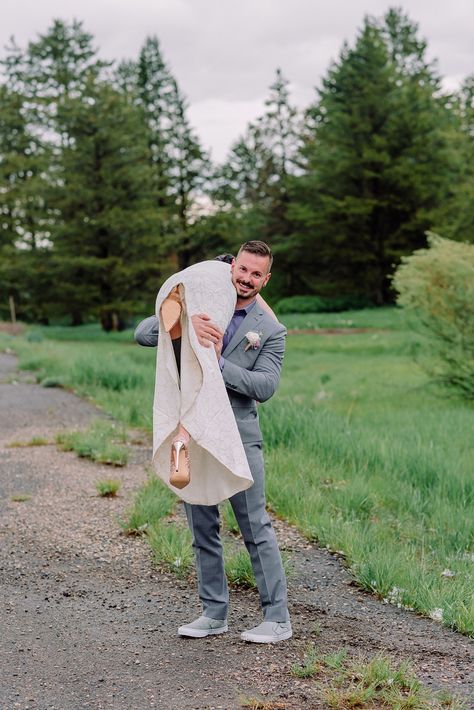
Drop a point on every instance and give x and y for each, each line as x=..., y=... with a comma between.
x=267, y=279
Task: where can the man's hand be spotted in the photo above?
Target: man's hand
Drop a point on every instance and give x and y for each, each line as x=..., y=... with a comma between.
x=218, y=348
x=207, y=332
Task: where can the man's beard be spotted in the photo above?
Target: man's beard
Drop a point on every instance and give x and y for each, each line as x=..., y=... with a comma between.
x=245, y=291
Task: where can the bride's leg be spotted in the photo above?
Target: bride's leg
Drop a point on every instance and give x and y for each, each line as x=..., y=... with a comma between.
x=182, y=434
x=179, y=465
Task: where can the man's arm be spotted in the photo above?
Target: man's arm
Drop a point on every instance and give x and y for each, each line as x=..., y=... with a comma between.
x=146, y=332
x=261, y=382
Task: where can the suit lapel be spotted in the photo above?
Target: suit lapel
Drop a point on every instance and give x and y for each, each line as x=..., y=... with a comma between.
x=249, y=323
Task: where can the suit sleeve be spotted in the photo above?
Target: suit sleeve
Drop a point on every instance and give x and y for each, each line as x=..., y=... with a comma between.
x=146, y=332
x=261, y=382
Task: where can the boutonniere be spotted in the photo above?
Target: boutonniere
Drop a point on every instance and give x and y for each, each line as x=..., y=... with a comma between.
x=254, y=340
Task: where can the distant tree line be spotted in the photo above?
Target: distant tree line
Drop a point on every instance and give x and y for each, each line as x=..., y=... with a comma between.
x=105, y=188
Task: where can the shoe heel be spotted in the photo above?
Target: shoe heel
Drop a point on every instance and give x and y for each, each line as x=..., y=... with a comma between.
x=180, y=474
x=177, y=446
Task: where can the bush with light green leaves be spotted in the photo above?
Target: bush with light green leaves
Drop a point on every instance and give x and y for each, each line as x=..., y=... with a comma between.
x=436, y=288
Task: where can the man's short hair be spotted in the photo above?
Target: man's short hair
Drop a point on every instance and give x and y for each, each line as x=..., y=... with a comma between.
x=259, y=248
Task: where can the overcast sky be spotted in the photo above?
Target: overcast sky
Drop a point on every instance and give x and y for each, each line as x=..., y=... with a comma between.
x=224, y=52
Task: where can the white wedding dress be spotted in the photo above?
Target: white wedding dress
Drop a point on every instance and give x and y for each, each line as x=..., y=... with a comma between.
x=197, y=398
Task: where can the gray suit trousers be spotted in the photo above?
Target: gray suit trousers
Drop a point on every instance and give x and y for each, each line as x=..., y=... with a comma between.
x=259, y=538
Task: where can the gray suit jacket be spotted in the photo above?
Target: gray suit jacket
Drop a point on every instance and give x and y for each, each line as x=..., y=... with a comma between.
x=250, y=375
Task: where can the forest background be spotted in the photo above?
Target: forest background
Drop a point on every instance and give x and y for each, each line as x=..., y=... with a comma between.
x=105, y=188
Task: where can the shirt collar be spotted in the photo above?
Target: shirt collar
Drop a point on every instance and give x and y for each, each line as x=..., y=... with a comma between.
x=247, y=309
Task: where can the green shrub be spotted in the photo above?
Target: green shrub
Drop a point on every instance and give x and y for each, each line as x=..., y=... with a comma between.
x=34, y=337
x=321, y=304
x=436, y=287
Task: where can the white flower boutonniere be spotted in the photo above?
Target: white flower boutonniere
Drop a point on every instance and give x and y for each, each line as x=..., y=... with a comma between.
x=254, y=340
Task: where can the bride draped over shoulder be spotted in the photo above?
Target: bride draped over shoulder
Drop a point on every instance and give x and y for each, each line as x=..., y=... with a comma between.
x=196, y=397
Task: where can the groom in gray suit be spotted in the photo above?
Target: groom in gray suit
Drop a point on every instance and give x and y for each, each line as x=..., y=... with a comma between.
x=250, y=355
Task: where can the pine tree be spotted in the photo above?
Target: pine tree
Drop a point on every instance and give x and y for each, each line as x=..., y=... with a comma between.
x=180, y=165
x=108, y=254
x=282, y=130
x=25, y=223
x=376, y=162
x=260, y=162
x=55, y=67
x=43, y=78
x=455, y=217
x=103, y=254
x=14, y=142
x=255, y=178
x=155, y=86
x=189, y=171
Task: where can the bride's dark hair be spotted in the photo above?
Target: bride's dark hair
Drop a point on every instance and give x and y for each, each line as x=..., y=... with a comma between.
x=228, y=258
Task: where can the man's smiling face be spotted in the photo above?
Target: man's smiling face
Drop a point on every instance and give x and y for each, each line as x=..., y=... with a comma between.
x=249, y=275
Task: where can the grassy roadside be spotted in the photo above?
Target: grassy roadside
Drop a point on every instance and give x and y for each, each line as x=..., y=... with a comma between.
x=362, y=455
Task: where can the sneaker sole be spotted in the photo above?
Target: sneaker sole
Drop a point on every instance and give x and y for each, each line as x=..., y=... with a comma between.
x=266, y=639
x=201, y=633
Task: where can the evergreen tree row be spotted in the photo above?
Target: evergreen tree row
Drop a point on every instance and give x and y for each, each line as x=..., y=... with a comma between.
x=99, y=171
x=103, y=181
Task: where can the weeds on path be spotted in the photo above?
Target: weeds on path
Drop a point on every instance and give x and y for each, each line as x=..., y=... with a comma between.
x=34, y=441
x=172, y=547
x=98, y=442
x=152, y=504
x=257, y=704
x=149, y=516
x=374, y=683
x=108, y=487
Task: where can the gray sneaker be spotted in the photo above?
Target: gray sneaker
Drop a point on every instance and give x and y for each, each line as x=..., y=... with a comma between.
x=268, y=632
x=204, y=626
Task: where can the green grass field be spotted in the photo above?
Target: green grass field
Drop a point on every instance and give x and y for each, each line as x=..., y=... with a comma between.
x=363, y=454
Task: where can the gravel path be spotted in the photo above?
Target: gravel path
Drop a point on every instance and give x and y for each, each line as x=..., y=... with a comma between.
x=89, y=622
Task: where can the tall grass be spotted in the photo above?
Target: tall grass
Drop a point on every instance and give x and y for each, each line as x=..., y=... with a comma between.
x=377, y=318
x=362, y=454
x=398, y=502
x=153, y=503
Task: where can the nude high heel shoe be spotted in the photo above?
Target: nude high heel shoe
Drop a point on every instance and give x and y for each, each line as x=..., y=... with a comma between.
x=180, y=474
x=171, y=309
